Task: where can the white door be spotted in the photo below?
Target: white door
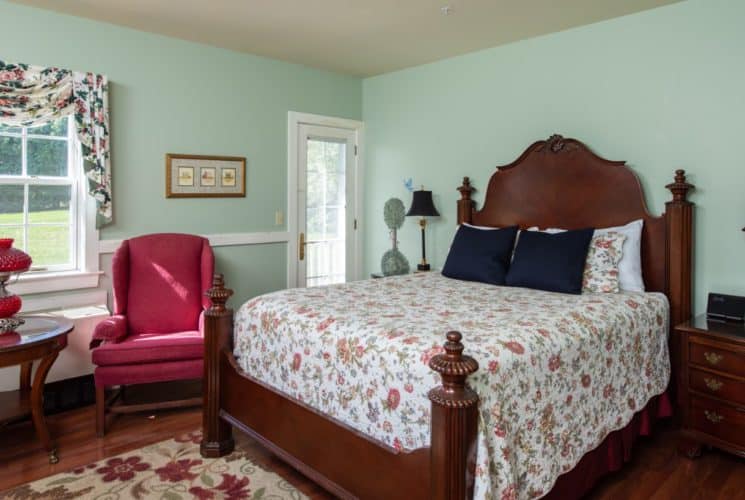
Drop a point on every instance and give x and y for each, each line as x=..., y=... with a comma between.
x=327, y=175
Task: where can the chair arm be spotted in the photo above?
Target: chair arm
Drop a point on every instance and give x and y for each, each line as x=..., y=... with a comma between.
x=112, y=329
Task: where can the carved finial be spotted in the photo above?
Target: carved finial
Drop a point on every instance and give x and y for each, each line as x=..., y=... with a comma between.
x=557, y=144
x=218, y=294
x=680, y=187
x=453, y=346
x=466, y=189
x=454, y=368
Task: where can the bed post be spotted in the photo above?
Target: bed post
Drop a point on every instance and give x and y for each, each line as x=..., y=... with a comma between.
x=679, y=225
x=465, y=204
x=454, y=424
x=217, y=436
x=679, y=219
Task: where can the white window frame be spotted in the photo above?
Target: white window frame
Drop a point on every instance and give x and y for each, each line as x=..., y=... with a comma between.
x=84, y=271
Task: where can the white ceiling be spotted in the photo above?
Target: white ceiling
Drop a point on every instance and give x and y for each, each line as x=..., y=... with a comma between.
x=357, y=37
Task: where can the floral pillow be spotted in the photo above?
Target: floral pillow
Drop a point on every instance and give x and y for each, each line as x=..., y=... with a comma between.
x=601, y=267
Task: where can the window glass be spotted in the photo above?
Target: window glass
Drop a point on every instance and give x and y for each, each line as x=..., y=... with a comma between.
x=49, y=245
x=37, y=193
x=10, y=130
x=15, y=233
x=11, y=161
x=11, y=204
x=56, y=129
x=49, y=204
x=47, y=157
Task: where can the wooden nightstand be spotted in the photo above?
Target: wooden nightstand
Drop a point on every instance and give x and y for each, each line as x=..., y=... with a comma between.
x=712, y=385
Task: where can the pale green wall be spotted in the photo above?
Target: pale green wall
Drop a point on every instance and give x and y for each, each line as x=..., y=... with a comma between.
x=663, y=89
x=169, y=95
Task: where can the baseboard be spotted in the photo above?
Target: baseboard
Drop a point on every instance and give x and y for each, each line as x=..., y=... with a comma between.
x=69, y=394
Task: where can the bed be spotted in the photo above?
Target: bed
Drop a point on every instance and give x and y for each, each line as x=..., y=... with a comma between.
x=352, y=385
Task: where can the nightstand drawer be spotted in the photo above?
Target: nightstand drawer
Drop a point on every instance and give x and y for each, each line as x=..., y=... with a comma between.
x=725, y=388
x=717, y=358
x=718, y=420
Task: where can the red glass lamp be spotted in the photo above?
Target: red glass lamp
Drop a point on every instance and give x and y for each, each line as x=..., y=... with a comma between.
x=12, y=261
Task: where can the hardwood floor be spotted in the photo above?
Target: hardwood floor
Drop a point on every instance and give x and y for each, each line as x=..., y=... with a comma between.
x=656, y=471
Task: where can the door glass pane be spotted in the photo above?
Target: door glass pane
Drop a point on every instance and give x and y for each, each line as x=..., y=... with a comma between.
x=10, y=156
x=326, y=212
x=11, y=204
x=49, y=244
x=49, y=204
x=47, y=157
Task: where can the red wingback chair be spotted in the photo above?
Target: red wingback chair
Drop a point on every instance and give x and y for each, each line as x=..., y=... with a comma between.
x=155, y=333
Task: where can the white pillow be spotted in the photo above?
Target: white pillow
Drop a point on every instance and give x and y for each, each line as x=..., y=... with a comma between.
x=483, y=228
x=551, y=230
x=630, y=267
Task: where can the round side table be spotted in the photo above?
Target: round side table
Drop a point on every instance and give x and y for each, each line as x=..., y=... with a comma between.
x=39, y=338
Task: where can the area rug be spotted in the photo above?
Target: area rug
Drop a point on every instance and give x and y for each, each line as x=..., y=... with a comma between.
x=169, y=470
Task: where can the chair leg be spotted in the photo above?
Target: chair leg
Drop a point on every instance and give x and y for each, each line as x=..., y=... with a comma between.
x=100, y=411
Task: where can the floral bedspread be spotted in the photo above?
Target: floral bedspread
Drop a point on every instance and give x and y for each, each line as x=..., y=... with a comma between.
x=557, y=372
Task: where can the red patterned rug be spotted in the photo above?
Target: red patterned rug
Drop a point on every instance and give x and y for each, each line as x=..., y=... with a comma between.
x=169, y=470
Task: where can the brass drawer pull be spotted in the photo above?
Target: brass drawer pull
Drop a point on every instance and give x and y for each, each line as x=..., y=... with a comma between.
x=713, y=416
x=713, y=358
x=713, y=383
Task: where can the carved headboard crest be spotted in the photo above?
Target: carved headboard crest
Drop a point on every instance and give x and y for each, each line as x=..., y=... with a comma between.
x=556, y=144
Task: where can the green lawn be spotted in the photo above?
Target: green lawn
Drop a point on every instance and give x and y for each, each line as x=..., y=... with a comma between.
x=47, y=244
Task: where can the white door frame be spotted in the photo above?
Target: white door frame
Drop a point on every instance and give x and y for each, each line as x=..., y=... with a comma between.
x=294, y=120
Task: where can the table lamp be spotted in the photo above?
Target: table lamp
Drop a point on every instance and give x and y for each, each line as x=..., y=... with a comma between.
x=12, y=261
x=422, y=206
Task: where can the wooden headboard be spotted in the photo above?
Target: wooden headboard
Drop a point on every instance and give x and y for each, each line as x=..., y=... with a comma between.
x=561, y=183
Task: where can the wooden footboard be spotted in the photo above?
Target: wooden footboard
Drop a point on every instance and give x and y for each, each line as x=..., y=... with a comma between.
x=337, y=457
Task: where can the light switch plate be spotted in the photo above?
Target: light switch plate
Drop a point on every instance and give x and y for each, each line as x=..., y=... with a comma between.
x=279, y=218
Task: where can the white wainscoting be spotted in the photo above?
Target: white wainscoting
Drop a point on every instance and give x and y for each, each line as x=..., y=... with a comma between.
x=217, y=240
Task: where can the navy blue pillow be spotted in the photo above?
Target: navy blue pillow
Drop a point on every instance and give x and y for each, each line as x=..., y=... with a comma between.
x=480, y=254
x=552, y=262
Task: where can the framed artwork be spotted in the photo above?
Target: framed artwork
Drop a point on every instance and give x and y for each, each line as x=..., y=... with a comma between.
x=185, y=176
x=207, y=176
x=199, y=176
x=228, y=177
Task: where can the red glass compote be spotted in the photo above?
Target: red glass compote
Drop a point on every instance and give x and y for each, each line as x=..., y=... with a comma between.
x=12, y=262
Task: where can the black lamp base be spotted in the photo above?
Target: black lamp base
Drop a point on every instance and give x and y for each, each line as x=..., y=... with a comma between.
x=422, y=267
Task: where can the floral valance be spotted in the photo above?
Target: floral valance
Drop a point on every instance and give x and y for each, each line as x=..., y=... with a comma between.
x=33, y=95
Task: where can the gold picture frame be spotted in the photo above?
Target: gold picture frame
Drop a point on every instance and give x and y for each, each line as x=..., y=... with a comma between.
x=205, y=176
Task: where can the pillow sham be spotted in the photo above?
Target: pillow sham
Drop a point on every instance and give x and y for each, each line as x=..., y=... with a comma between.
x=551, y=262
x=630, y=278
x=601, y=269
x=478, y=255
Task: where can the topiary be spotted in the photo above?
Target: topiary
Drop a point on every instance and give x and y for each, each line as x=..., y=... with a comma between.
x=393, y=261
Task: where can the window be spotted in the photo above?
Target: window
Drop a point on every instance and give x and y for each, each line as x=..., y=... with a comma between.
x=43, y=204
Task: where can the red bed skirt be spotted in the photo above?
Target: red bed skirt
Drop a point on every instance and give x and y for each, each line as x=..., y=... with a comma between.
x=612, y=453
